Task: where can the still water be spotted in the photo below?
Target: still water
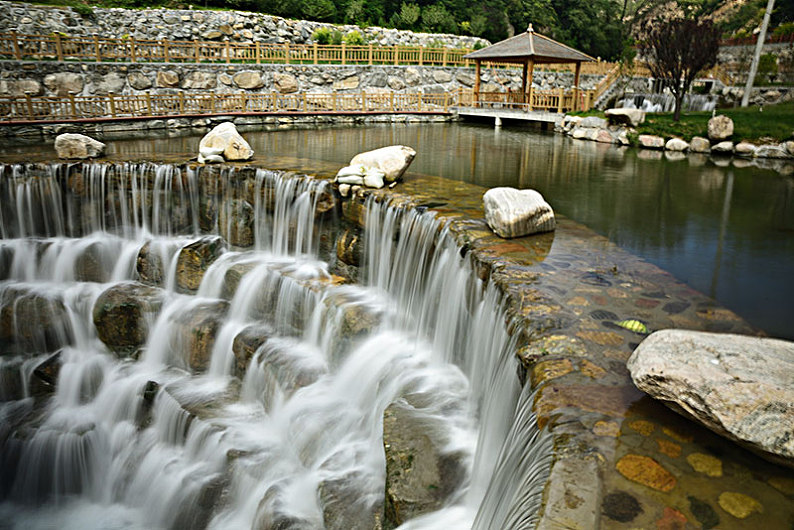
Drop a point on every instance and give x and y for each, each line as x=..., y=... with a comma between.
x=727, y=231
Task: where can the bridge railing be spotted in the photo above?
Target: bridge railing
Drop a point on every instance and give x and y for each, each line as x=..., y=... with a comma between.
x=60, y=47
x=67, y=108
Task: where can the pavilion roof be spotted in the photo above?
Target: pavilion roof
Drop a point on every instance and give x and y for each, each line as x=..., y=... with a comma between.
x=529, y=45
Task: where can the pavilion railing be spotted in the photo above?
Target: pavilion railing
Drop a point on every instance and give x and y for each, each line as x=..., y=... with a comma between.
x=66, y=108
x=559, y=100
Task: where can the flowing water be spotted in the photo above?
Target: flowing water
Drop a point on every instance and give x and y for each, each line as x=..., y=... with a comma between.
x=655, y=102
x=255, y=396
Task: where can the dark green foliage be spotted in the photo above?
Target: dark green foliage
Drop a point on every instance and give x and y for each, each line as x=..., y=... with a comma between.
x=767, y=69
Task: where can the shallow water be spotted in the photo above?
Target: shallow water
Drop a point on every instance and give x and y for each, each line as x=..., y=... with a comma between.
x=727, y=231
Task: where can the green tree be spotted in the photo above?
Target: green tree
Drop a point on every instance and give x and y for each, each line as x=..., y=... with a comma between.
x=407, y=17
x=436, y=19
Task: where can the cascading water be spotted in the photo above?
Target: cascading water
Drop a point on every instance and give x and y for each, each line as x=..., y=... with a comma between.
x=655, y=102
x=255, y=395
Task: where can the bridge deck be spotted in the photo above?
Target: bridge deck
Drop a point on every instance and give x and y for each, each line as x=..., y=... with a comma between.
x=512, y=114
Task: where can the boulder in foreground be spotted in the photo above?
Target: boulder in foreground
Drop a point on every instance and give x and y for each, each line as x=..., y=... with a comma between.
x=739, y=387
x=631, y=117
x=515, y=213
x=78, y=146
x=392, y=160
x=226, y=141
x=720, y=128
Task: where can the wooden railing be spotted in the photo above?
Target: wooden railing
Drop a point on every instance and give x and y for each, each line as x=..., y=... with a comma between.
x=66, y=108
x=59, y=47
x=559, y=100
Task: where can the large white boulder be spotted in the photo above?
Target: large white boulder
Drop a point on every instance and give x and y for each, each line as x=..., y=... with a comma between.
x=360, y=175
x=698, y=144
x=226, y=137
x=392, y=160
x=676, y=144
x=740, y=387
x=632, y=117
x=720, y=128
x=78, y=146
x=515, y=213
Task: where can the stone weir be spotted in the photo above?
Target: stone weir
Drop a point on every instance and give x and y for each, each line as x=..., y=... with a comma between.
x=616, y=457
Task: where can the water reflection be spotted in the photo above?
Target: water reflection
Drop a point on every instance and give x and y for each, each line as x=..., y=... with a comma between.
x=725, y=229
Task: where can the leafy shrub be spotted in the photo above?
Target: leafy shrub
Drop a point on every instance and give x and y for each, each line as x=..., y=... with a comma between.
x=787, y=28
x=353, y=38
x=322, y=36
x=767, y=68
x=83, y=10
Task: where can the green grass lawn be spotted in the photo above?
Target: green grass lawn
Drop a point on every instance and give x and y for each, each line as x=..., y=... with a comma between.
x=775, y=123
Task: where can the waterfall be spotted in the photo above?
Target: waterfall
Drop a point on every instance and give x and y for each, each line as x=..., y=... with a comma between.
x=254, y=395
x=654, y=102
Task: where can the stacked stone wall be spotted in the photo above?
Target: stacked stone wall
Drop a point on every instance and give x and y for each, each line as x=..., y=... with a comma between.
x=182, y=24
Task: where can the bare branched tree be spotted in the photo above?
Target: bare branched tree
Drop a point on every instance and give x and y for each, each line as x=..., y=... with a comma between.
x=677, y=50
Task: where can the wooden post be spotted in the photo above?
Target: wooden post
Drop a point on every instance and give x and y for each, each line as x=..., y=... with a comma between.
x=228, y=53
x=391, y=101
x=421, y=53
x=17, y=51
x=531, y=95
x=524, y=82
x=396, y=52
x=370, y=54
x=132, y=49
x=315, y=53
x=112, y=104
x=97, y=51
x=478, y=65
x=305, y=106
x=446, y=101
x=72, y=104
x=344, y=53
x=419, y=102
x=148, y=103
x=272, y=101
x=29, y=104
x=444, y=57
x=333, y=101
x=562, y=97
x=196, y=51
x=576, y=86
x=258, y=53
x=165, y=50
x=58, y=47
x=181, y=102
x=243, y=102
x=363, y=101
x=286, y=53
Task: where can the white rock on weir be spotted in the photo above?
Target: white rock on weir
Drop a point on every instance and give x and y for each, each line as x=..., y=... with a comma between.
x=740, y=387
x=392, y=160
x=515, y=213
x=224, y=137
x=78, y=146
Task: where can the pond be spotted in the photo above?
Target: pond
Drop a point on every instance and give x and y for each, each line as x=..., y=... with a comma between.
x=727, y=231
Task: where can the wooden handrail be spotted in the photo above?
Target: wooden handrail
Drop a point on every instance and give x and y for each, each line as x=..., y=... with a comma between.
x=71, y=107
x=535, y=100
x=103, y=49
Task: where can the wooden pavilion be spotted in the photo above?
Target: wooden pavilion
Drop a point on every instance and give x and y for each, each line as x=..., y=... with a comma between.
x=529, y=49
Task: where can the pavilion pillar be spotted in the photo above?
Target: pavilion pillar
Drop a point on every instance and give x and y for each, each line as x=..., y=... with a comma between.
x=576, y=85
x=477, y=67
x=524, y=82
x=527, y=86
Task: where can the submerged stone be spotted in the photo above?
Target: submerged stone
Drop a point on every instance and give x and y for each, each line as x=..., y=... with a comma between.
x=706, y=464
x=703, y=512
x=620, y=506
x=739, y=505
x=122, y=315
x=646, y=471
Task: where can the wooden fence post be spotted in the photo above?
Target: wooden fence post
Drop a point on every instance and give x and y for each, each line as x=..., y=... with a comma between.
x=132, y=49
x=444, y=57
x=391, y=101
x=419, y=102
x=228, y=53
x=286, y=53
x=421, y=53
x=165, y=50
x=315, y=53
x=396, y=55
x=29, y=105
x=344, y=52
x=243, y=101
x=559, y=103
x=370, y=54
x=531, y=96
x=196, y=51
x=97, y=50
x=212, y=102
x=363, y=101
x=446, y=101
x=258, y=53
x=17, y=51
x=181, y=102
x=305, y=107
x=273, y=101
x=333, y=101
x=72, y=104
x=58, y=47
x=112, y=104
x=148, y=103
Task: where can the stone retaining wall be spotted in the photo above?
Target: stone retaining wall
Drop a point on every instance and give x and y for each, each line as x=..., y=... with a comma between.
x=42, y=78
x=176, y=24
